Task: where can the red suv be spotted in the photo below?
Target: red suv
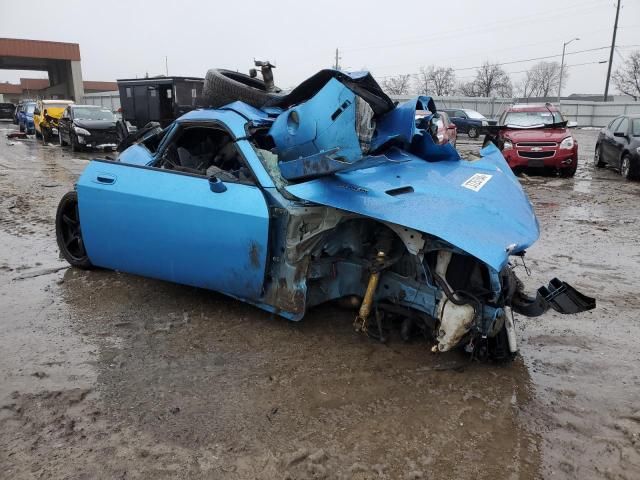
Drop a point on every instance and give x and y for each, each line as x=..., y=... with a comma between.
x=536, y=136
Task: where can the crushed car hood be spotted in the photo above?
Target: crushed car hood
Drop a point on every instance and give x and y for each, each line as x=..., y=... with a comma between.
x=476, y=206
x=94, y=124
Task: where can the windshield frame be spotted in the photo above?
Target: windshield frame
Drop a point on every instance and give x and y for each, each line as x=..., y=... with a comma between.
x=556, y=118
x=472, y=114
x=75, y=109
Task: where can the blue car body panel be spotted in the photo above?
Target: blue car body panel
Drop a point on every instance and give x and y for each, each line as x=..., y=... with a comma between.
x=322, y=123
x=171, y=226
x=400, y=123
x=489, y=222
x=136, y=154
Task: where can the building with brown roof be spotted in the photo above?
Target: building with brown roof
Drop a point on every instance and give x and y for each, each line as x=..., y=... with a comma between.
x=60, y=60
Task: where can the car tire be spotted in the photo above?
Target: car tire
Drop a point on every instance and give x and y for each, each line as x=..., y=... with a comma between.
x=627, y=170
x=22, y=129
x=36, y=133
x=569, y=172
x=222, y=87
x=473, y=132
x=60, y=140
x=73, y=142
x=69, y=233
x=597, y=158
x=45, y=137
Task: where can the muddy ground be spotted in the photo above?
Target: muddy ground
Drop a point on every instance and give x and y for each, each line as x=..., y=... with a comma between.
x=107, y=375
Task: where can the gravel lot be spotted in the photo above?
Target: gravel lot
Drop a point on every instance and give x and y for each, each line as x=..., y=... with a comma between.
x=107, y=375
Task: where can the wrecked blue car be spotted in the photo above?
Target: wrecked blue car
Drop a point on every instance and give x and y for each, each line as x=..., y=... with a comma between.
x=330, y=192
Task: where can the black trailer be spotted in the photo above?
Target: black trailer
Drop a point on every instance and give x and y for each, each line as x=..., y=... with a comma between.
x=158, y=99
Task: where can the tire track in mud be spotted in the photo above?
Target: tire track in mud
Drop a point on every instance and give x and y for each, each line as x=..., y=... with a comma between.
x=127, y=376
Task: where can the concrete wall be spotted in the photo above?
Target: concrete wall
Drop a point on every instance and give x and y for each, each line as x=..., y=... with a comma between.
x=586, y=113
x=65, y=78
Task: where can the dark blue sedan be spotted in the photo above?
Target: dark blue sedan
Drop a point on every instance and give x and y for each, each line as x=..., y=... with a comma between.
x=468, y=121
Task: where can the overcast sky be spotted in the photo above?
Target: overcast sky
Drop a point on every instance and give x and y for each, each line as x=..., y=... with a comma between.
x=121, y=39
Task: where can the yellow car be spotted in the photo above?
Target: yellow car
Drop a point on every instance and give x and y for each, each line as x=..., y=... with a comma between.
x=46, y=116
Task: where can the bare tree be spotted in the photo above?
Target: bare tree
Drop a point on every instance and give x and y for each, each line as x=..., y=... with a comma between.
x=398, y=85
x=542, y=80
x=491, y=79
x=526, y=87
x=436, y=81
x=627, y=78
x=468, y=89
x=548, y=77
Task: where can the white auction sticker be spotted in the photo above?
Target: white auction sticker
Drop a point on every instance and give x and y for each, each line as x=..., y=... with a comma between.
x=477, y=181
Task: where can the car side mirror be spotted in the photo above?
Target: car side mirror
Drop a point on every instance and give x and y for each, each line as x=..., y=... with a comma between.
x=36, y=112
x=216, y=185
x=619, y=134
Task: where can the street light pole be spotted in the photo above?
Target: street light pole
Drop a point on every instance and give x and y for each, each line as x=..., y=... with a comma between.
x=564, y=45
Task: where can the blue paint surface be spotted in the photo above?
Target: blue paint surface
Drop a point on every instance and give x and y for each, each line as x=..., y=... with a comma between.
x=483, y=223
x=324, y=122
x=136, y=155
x=400, y=123
x=172, y=227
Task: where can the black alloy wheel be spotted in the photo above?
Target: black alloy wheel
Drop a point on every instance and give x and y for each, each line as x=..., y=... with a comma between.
x=69, y=233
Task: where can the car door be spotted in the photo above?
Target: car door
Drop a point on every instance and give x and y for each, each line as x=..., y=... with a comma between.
x=619, y=141
x=461, y=121
x=175, y=226
x=607, y=150
x=20, y=114
x=64, y=124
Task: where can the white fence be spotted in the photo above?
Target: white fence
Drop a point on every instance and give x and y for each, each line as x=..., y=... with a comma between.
x=110, y=100
x=586, y=113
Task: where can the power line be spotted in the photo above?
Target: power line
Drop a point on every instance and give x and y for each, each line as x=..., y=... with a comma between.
x=584, y=8
x=524, y=60
x=535, y=58
x=566, y=66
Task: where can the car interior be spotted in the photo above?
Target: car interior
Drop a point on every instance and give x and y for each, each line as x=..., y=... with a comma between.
x=206, y=151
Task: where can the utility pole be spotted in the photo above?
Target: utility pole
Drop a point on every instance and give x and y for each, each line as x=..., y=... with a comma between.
x=166, y=65
x=337, y=64
x=613, y=46
x=564, y=45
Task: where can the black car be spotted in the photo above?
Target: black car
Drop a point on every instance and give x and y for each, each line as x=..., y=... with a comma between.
x=87, y=126
x=618, y=145
x=7, y=111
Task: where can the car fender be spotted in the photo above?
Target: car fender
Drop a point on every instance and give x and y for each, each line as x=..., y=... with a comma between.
x=478, y=207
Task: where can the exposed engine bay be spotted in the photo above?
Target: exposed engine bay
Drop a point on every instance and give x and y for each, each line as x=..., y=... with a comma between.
x=398, y=279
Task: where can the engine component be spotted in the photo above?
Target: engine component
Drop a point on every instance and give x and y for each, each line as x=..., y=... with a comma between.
x=360, y=323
